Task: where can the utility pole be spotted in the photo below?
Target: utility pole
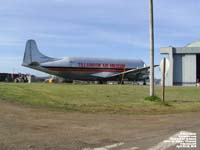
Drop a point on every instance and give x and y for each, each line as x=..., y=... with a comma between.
x=151, y=48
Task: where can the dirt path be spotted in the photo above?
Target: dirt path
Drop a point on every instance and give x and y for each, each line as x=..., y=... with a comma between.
x=25, y=128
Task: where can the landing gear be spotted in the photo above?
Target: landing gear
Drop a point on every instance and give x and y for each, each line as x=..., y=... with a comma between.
x=69, y=81
x=120, y=82
x=102, y=82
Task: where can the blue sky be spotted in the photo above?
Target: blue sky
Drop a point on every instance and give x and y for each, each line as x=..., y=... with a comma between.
x=95, y=28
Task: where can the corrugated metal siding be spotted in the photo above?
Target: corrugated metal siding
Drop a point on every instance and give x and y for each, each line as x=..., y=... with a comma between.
x=184, y=69
x=178, y=76
x=189, y=69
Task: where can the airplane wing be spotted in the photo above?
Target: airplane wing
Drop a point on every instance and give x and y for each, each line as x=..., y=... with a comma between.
x=103, y=74
x=132, y=71
x=106, y=75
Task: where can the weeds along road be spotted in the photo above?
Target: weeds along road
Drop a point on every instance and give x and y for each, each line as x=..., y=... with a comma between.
x=23, y=127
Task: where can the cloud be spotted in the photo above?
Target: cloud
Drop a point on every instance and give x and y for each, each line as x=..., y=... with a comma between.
x=10, y=41
x=108, y=28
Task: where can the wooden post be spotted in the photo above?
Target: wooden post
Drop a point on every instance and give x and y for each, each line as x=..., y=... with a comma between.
x=163, y=80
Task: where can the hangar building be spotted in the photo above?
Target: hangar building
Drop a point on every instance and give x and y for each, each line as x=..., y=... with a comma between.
x=184, y=63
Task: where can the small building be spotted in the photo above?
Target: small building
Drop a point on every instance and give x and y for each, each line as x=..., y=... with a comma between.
x=184, y=63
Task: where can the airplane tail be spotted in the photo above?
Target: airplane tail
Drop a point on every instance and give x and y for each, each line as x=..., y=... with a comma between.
x=32, y=56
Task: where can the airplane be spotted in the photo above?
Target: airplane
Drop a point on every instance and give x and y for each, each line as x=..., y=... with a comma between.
x=85, y=68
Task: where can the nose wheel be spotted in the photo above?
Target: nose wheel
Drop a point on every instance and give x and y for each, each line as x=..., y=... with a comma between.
x=144, y=82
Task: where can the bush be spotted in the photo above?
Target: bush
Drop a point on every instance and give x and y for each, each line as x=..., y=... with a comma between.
x=153, y=98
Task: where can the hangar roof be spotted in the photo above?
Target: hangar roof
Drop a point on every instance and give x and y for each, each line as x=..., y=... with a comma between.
x=191, y=48
x=193, y=44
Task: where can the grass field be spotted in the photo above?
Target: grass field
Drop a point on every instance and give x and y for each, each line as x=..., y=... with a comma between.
x=126, y=99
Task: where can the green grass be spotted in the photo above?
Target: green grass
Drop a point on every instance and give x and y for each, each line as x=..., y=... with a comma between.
x=126, y=99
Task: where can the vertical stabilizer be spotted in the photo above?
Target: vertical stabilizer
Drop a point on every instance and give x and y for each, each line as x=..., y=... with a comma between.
x=32, y=56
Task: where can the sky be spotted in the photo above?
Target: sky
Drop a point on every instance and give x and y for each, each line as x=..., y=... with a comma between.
x=94, y=28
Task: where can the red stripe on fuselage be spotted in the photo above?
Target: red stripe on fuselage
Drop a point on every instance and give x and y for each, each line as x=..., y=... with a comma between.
x=85, y=69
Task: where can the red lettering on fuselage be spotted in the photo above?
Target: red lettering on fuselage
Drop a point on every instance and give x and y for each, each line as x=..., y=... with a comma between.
x=98, y=65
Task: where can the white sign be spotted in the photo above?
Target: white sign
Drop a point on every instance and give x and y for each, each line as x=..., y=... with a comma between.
x=166, y=65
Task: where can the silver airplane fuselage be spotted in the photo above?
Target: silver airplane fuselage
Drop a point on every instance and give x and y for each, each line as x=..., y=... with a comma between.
x=79, y=68
x=83, y=68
